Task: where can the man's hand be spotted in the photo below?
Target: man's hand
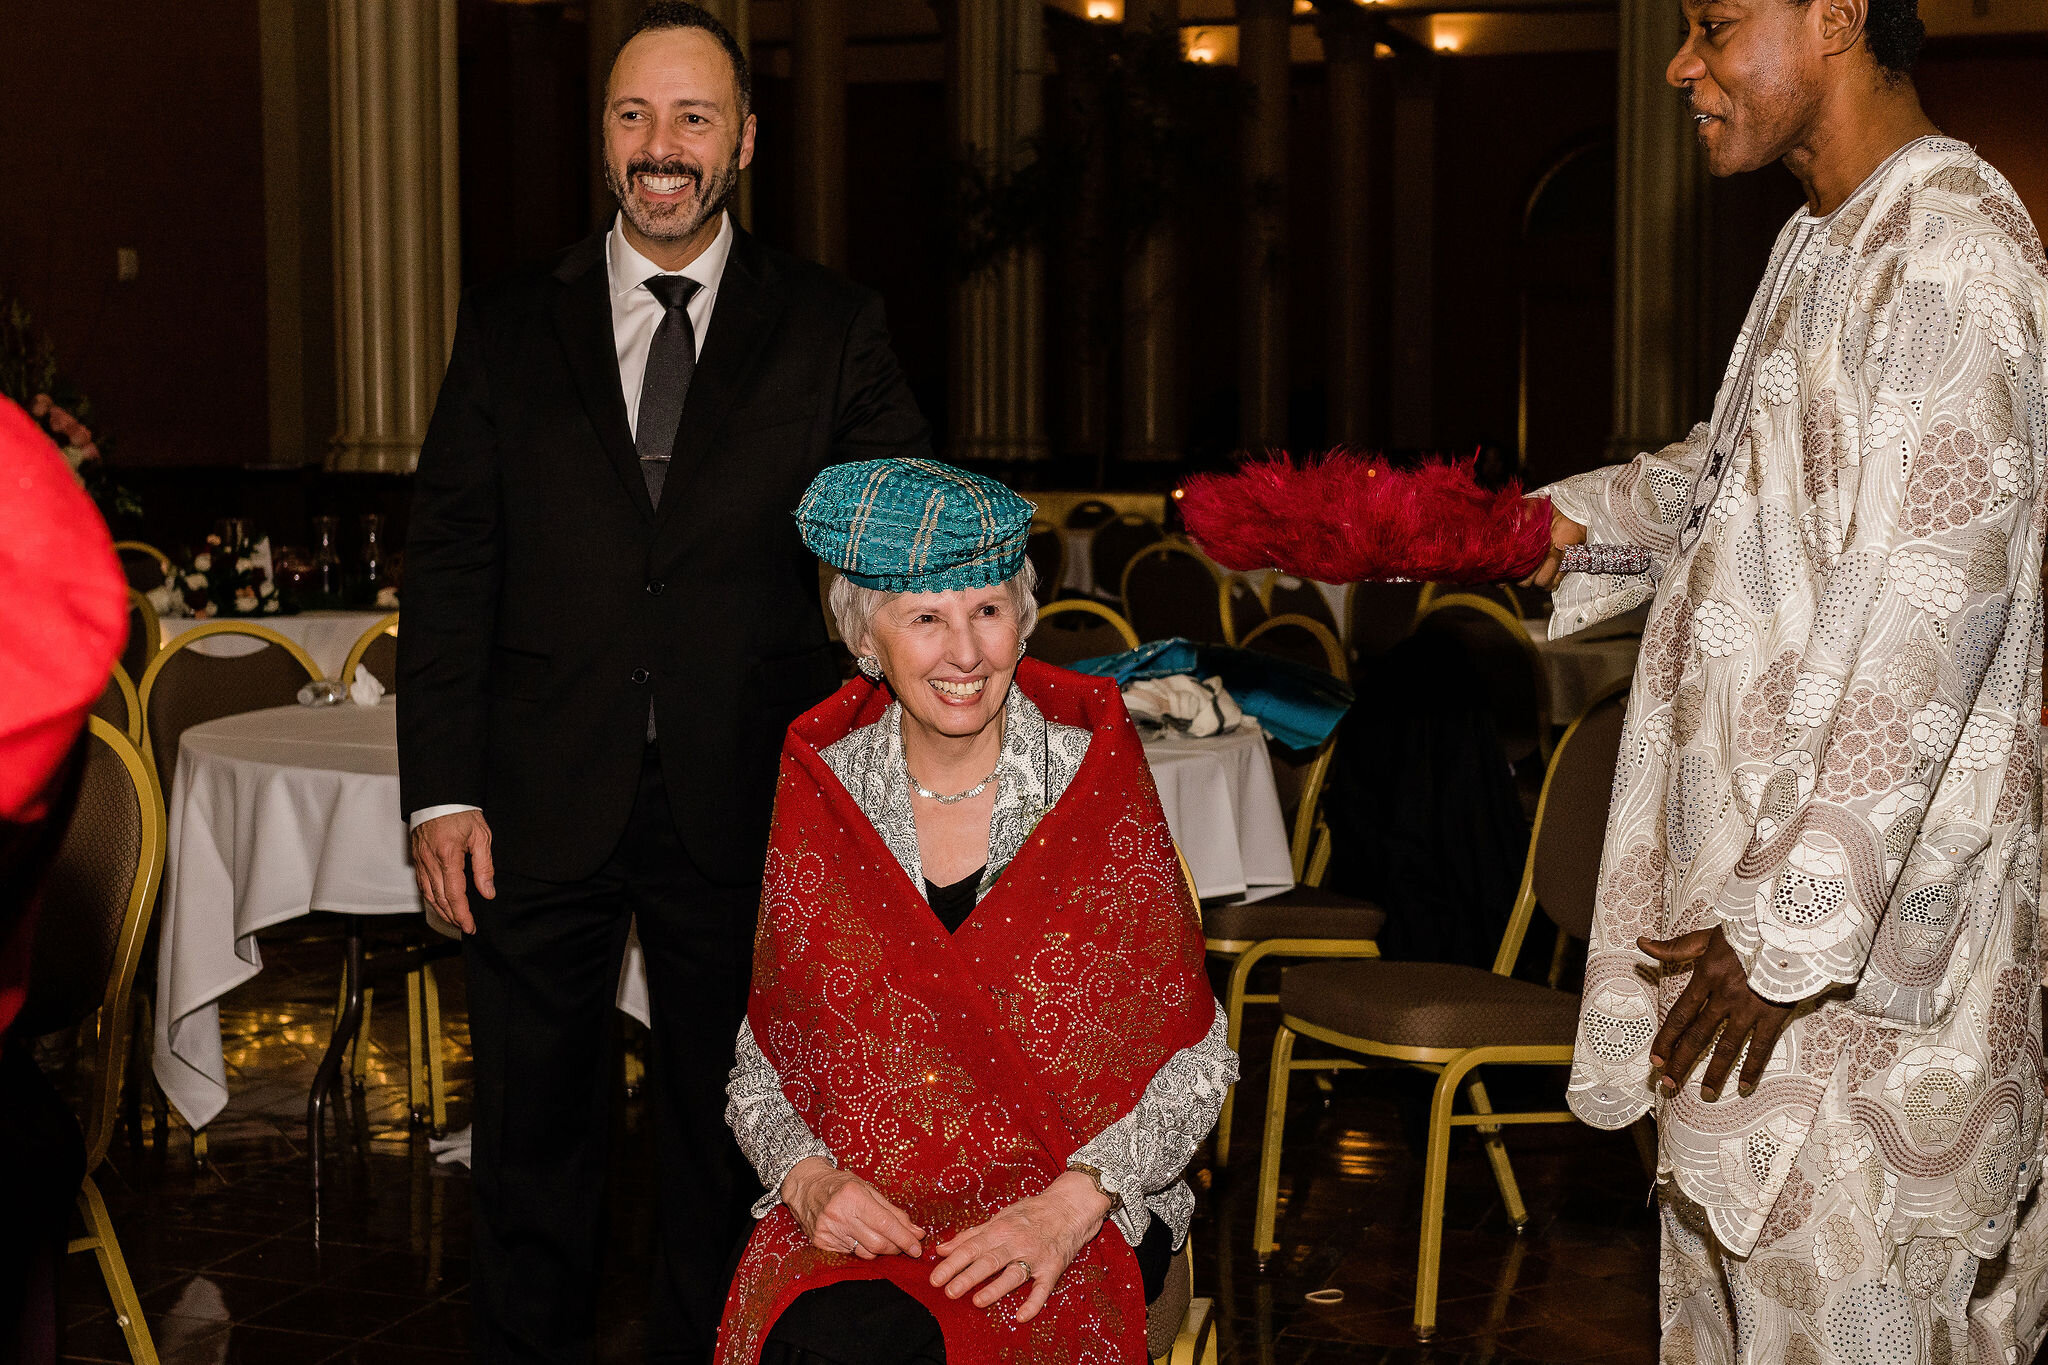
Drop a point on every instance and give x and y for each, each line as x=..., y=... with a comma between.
x=841, y=1212
x=1563, y=531
x=439, y=846
x=1032, y=1241
x=1719, y=997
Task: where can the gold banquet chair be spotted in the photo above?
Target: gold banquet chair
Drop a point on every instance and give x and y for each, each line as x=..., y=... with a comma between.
x=143, y=565
x=1075, y=628
x=95, y=912
x=1171, y=589
x=119, y=707
x=377, y=650
x=1379, y=616
x=1046, y=548
x=1306, y=921
x=183, y=687
x=1450, y=1019
x=145, y=635
x=1518, y=688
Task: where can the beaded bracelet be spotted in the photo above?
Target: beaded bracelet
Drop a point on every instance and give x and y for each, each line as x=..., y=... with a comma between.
x=1608, y=559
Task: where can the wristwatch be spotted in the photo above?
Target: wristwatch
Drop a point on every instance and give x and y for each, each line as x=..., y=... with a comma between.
x=1116, y=1201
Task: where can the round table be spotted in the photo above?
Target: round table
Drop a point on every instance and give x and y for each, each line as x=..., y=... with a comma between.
x=1581, y=670
x=281, y=812
x=327, y=636
x=1224, y=810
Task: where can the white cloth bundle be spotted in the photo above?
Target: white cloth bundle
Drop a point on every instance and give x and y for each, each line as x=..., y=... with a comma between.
x=1195, y=707
x=365, y=690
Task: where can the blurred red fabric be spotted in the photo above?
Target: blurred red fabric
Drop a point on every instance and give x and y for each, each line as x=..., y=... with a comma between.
x=63, y=620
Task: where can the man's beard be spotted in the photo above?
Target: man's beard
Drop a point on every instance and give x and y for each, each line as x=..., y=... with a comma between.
x=673, y=222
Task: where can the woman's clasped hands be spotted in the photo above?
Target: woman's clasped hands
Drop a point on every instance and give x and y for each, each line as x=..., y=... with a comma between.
x=1032, y=1241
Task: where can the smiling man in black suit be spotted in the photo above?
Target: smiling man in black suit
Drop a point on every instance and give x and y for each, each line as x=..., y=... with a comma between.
x=609, y=622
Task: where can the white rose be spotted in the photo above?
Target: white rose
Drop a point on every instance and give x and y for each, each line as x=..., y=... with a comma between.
x=195, y=581
x=202, y=562
x=387, y=599
x=244, y=564
x=159, y=600
x=270, y=604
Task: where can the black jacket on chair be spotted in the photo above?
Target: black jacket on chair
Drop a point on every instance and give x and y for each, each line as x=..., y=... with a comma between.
x=547, y=599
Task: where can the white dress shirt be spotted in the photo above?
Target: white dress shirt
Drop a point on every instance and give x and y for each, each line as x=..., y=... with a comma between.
x=635, y=315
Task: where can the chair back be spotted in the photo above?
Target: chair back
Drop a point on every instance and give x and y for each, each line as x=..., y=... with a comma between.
x=1286, y=596
x=1562, y=870
x=1074, y=628
x=1165, y=1314
x=184, y=687
x=145, y=635
x=1517, y=688
x=96, y=903
x=119, y=707
x=1243, y=609
x=1301, y=640
x=1492, y=592
x=1046, y=548
x=1571, y=816
x=1090, y=514
x=1170, y=590
x=1382, y=616
x=377, y=650
x=145, y=566
x=1114, y=545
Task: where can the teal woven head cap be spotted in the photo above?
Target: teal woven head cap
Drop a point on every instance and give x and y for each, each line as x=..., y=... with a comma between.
x=914, y=525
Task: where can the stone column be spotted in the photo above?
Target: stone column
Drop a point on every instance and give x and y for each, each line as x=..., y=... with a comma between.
x=391, y=86
x=1659, y=203
x=995, y=74
x=1262, y=67
x=818, y=65
x=1348, y=38
x=1153, y=421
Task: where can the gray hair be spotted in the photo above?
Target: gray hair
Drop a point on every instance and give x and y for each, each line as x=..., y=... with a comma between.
x=854, y=607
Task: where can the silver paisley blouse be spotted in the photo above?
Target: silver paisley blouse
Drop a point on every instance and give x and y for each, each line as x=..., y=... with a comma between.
x=1142, y=1155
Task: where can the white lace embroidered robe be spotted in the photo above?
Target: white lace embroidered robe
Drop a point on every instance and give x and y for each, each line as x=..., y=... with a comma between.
x=1831, y=744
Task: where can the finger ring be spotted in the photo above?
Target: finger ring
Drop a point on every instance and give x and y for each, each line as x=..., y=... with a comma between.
x=1023, y=1265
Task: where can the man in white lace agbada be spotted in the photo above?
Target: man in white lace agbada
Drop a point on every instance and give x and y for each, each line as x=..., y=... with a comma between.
x=1816, y=957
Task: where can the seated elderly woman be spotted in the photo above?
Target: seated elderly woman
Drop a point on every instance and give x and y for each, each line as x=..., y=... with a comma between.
x=980, y=1033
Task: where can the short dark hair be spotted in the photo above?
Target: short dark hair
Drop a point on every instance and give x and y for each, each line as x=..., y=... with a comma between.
x=667, y=14
x=1892, y=31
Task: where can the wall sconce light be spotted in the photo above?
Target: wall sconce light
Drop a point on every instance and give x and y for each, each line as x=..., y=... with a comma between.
x=1105, y=11
x=1201, y=47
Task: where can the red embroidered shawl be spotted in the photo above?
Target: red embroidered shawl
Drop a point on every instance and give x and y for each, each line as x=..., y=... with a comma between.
x=957, y=1073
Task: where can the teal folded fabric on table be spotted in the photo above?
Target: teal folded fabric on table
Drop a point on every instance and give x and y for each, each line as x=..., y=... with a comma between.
x=1295, y=704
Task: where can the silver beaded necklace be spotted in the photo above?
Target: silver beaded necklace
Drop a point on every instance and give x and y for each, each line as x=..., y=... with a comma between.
x=968, y=795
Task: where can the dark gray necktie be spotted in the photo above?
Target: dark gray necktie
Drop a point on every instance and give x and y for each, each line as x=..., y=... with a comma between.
x=671, y=360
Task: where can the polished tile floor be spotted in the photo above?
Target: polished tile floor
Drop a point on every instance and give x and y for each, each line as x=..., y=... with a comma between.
x=234, y=1266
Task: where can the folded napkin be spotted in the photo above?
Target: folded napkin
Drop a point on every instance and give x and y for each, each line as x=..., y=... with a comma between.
x=1297, y=705
x=1196, y=707
x=365, y=690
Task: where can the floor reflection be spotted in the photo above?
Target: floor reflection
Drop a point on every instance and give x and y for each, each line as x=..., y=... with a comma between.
x=232, y=1265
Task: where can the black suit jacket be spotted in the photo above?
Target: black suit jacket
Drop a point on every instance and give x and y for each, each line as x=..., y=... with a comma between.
x=546, y=599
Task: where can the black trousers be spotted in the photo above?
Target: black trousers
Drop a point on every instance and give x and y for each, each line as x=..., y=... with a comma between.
x=543, y=970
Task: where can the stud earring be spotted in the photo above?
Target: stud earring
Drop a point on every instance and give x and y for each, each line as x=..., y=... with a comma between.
x=870, y=666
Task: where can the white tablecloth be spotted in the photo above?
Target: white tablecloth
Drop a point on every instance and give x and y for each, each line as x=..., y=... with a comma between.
x=1580, y=669
x=326, y=635
x=281, y=812
x=1224, y=811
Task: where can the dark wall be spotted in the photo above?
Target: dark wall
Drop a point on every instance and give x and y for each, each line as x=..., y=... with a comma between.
x=1994, y=95
x=130, y=123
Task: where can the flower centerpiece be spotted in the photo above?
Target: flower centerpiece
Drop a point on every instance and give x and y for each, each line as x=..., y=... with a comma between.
x=223, y=580
x=29, y=376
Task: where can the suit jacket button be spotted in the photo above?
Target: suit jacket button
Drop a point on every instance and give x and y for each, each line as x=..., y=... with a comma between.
x=640, y=675
x=655, y=587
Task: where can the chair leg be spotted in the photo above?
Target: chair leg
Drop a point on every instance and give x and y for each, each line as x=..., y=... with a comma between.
x=415, y=1051
x=437, y=1052
x=359, y=1055
x=1497, y=1154
x=1263, y=1242
x=329, y=1074
x=1233, y=1014
x=1429, y=1261
x=114, y=1269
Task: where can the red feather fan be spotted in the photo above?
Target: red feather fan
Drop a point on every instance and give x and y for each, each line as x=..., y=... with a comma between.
x=1347, y=518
